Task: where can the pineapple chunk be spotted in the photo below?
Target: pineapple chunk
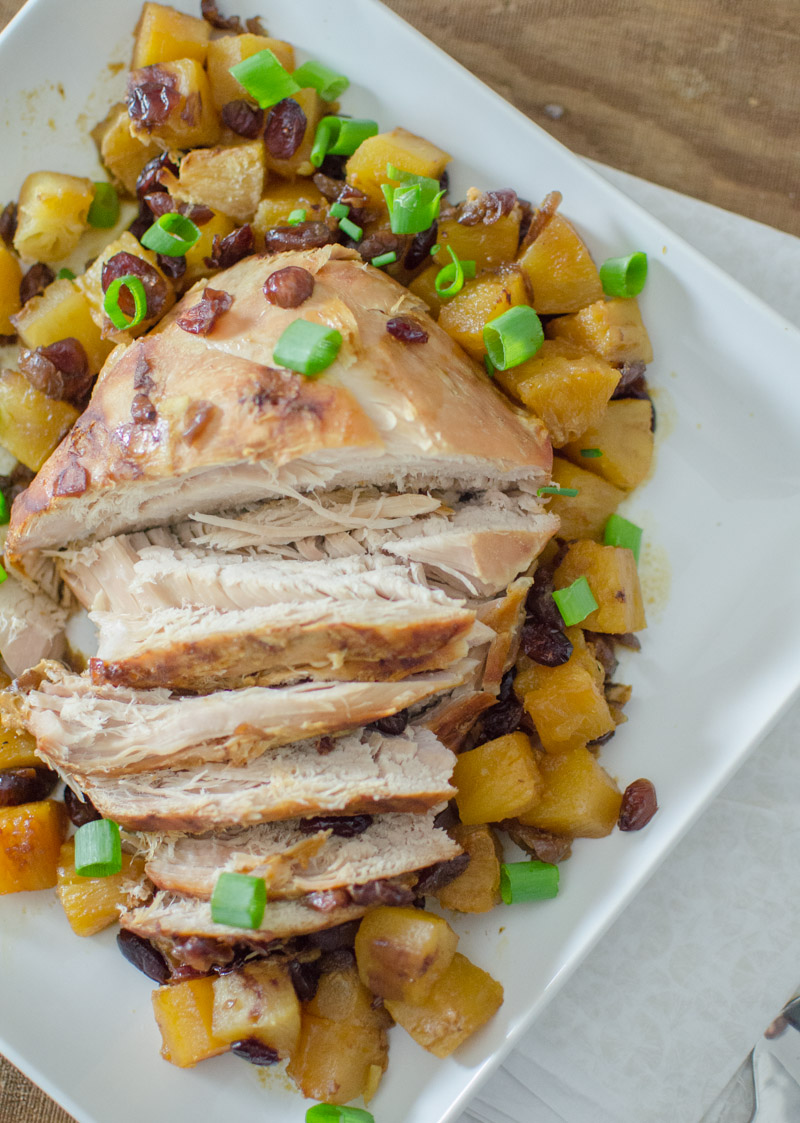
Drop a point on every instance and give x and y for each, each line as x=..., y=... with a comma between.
x=196, y=266
x=567, y=388
x=579, y=800
x=121, y=153
x=91, y=285
x=366, y=168
x=337, y=1061
x=10, y=277
x=299, y=163
x=230, y=180
x=281, y=198
x=560, y=269
x=17, y=747
x=486, y=245
x=164, y=35
x=477, y=889
x=497, y=780
x=568, y=708
x=52, y=214
x=614, y=580
x=183, y=1012
x=625, y=438
x=401, y=952
x=62, y=310
x=481, y=300
x=192, y=120
x=227, y=51
x=31, y=425
x=611, y=329
x=583, y=515
x=92, y=903
x=257, y=1001
x=30, y=840
x=342, y=997
x=463, y=1000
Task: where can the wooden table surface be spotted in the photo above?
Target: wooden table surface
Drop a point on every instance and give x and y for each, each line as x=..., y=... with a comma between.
x=697, y=95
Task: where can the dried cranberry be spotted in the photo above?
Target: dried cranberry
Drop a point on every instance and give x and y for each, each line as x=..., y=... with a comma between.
x=74, y=480
x=421, y=246
x=226, y=251
x=211, y=14
x=328, y=186
x=174, y=267
x=345, y=826
x=380, y=242
x=631, y=379
x=25, y=785
x=603, y=649
x=488, y=208
x=639, y=805
x=80, y=811
x=382, y=892
x=153, y=97
x=304, y=236
x=243, y=118
x=201, y=318
x=199, y=213
x=406, y=330
x=196, y=420
x=255, y=1051
x=502, y=718
x=202, y=953
x=542, y=845
x=448, y=817
x=392, y=725
x=289, y=287
x=629, y=640
x=285, y=129
x=60, y=370
x=149, y=180
x=543, y=638
x=305, y=977
x=332, y=939
x=143, y=411
x=159, y=203
x=435, y=877
x=326, y=900
x=123, y=264
x=325, y=744
x=143, y=955
x=8, y=223
x=35, y=281
x=141, y=373
x=334, y=166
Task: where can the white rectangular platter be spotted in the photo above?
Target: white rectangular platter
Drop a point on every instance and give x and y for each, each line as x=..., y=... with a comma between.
x=721, y=657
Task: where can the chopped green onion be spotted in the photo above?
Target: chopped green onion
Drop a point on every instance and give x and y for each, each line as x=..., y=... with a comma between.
x=328, y=84
x=339, y=210
x=296, y=217
x=340, y=136
x=351, y=229
x=98, y=849
x=624, y=276
x=414, y=205
x=238, y=900
x=331, y=1113
x=591, y=453
x=620, y=532
x=491, y=369
x=554, y=490
x=575, y=602
x=111, y=302
x=435, y=249
x=172, y=234
x=5, y=513
x=307, y=347
x=513, y=337
x=384, y=259
x=65, y=275
x=528, y=881
x=264, y=78
x=450, y=278
x=104, y=211
x=3, y=575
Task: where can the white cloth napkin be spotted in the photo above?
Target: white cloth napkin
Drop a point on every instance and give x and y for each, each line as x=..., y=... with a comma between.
x=660, y=1015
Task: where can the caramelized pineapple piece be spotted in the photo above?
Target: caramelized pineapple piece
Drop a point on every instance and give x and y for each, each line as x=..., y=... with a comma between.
x=568, y=709
x=220, y=225
x=17, y=746
x=164, y=35
x=281, y=198
x=10, y=277
x=579, y=799
x=52, y=214
x=560, y=269
x=62, y=310
x=30, y=840
x=625, y=438
x=477, y=889
x=342, y=997
x=610, y=329
x=337, y=1062
x=481, y=300
x=191, y=119
x=567, y=388
x=401, y=952
x=92, y=903
x=230, y=180
x=366, y=168
x=614, y=580
x=497, y=780
x=31, y=425
x=583, y=515
x=121, y=153
x=487, y=244
x=227, y=51
x=91, y=285
x=462, y=1000
x=258, y=1001
x=184, y=1015
x=299, y=163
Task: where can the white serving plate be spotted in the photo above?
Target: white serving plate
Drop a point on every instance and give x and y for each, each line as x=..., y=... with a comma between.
x=721, y=658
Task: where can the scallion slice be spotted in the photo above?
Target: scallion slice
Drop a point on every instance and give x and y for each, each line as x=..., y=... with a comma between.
x=172, y=234
x=575, y=602
x=553, y=489
x=3, y=575
x=528, y=881
x=620, y=532
x=65, y=275
x=513, y=337
x=328, y=84
x=450, y=278
x=435, y=249
x=264, y=78
x=307, y=347
x=331, y=1113
x=591, y=453
x=491, y=369
x=339, y=210
x=384, y=259
x=111, y=302
x=296, y=217
x=414, y=204
x=98, y=849
x=340, y=136
x=351, y=229
x=238, y=900
x=624, y=276
x=5, y=512
x=104, y=211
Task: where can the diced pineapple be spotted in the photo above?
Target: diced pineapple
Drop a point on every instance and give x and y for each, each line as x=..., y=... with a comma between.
x=30, y=840
x=92, y=903
x=568, y=709
x=337, y=1062
x=121, y=153
x=52, y=214
x=463, y=1000
x=10, y=277
x=342, y=997
x=62, y=310
x=560, y=269
x=424, y=286
x=220, y=225
x=611, y=329
x=497, y=780
x=481, y=300
x=366, y=168
x=299, y=163
x=477, y=889
x=614, y=580
x=531, y=676
x=487, y=245
x=192, y=120
x=230, y=180
x=625, y=438
x=583, y=515
x=17, y=746
x=91, y=285
x=31, y=425
x=228, y=50
x=401, y=952
x=281, y=198
x=184, y=1015
x=579, y=800
x=567, y=388
x=258, y=1001
x=164, y=34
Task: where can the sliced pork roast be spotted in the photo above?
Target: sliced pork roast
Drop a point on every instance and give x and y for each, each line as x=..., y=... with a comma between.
x=31, y=626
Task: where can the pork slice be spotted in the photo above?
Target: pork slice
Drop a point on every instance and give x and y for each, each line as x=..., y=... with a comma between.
x=31, y=626
x=293, y=862
x=362, y=773
x=112, y=730
x=203, y=650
